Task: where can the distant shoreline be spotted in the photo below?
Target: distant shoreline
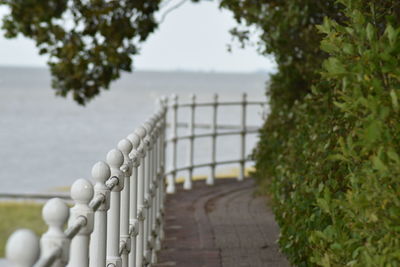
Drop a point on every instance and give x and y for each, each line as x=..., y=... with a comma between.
x=264, y=72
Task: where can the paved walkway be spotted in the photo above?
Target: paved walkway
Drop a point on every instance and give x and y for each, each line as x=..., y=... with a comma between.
x=220, y=226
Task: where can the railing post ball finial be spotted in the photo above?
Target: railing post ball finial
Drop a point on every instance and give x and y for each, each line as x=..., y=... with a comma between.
x=22, y=249
x=215, y=98
x=115, y=159
x=101, y=172
x=193, y=98
x=164, y=99
x=149, y=125
x=125, y=146
x=82, y=191
x=135, y=140
x=141, y=132
x=174, y=97
x=55, y=213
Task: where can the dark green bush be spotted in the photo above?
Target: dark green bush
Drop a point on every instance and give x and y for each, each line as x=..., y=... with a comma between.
x=329, y=151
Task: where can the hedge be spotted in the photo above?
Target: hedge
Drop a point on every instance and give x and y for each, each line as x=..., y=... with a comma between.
x=329, y=151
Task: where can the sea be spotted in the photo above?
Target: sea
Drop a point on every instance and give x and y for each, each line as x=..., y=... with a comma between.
x=47, y=142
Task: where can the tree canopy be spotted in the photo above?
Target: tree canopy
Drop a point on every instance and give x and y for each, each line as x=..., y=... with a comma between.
x=88, y=42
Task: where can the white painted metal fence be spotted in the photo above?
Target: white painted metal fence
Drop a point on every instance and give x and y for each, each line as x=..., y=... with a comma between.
x=118, y=222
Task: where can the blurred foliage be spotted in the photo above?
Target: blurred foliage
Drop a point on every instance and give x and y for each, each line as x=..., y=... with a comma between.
x=286, y=30
x=329, y=151
x=88, y=42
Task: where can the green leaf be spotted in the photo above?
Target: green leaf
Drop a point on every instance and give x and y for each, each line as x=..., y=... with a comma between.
x=378, y=164
x=328, y=46
x=393, y=155
x=391, y=33
x=334, y=66
x=373, y=132
x=370, y=32
x=323, y=204
x=395, y=102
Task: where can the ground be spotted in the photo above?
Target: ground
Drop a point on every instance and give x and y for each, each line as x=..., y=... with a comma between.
x=220, y=226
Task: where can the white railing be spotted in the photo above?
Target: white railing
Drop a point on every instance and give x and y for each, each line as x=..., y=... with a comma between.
x=242, y=130
x=118, y=222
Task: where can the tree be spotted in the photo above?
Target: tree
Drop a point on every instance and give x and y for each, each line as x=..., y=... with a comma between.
x=88, y=42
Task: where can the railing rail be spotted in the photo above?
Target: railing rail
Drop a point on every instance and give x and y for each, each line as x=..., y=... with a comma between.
x=118, y=221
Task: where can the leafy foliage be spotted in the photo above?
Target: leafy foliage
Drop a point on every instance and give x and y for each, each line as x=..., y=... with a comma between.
x=88, y=42
x=329, y=151
x=287, y=30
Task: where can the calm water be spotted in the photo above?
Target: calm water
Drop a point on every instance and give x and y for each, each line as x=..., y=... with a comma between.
x=48, y=142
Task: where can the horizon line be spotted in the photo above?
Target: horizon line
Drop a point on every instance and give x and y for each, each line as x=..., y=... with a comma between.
x=255, y=71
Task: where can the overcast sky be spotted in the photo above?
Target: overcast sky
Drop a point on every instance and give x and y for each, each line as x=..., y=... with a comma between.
x=193, y=37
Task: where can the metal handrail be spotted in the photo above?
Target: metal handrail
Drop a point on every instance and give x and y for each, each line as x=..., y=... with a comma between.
x=202, y=135
x=209, y=104
x=209, y=126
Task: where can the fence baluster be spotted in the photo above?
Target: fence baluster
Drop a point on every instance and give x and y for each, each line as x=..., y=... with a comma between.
x=163, y=177
x=148, y=188
x=157, y=216
x=156, y=186
x=125, y=146
x=172, y=178
x=115, y=159
x=242, y=163
x=81, y=193
x=188, y=180
x=211, y=178
x=134, y=223
x=54, y=244
x=141, y=132
x=22, y=249
x=100, y=173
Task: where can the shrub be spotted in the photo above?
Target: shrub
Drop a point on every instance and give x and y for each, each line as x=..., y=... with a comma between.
x=330, y=155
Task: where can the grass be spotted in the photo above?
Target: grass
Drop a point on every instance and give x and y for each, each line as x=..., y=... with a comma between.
x=16, y=215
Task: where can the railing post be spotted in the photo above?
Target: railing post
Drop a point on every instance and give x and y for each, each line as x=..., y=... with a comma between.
x=188, y=180
x=22, y=249
x=148, y=140
x=172, y=179
x=162, y=176
x=153, y=193
x=134, y=223
x=115, y=159
x=158, y=178
x=159, y=181
x=211, y=179
x=81, y=193
x=243, y=140
x=55, y=214
x=156, y=185
x=100, y=173
x=141, y=132
x=125, y=146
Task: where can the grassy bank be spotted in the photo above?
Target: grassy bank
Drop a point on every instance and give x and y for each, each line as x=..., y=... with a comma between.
x=19, y=215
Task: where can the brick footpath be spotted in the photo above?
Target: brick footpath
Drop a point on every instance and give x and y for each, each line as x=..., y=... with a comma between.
x=224, y=225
